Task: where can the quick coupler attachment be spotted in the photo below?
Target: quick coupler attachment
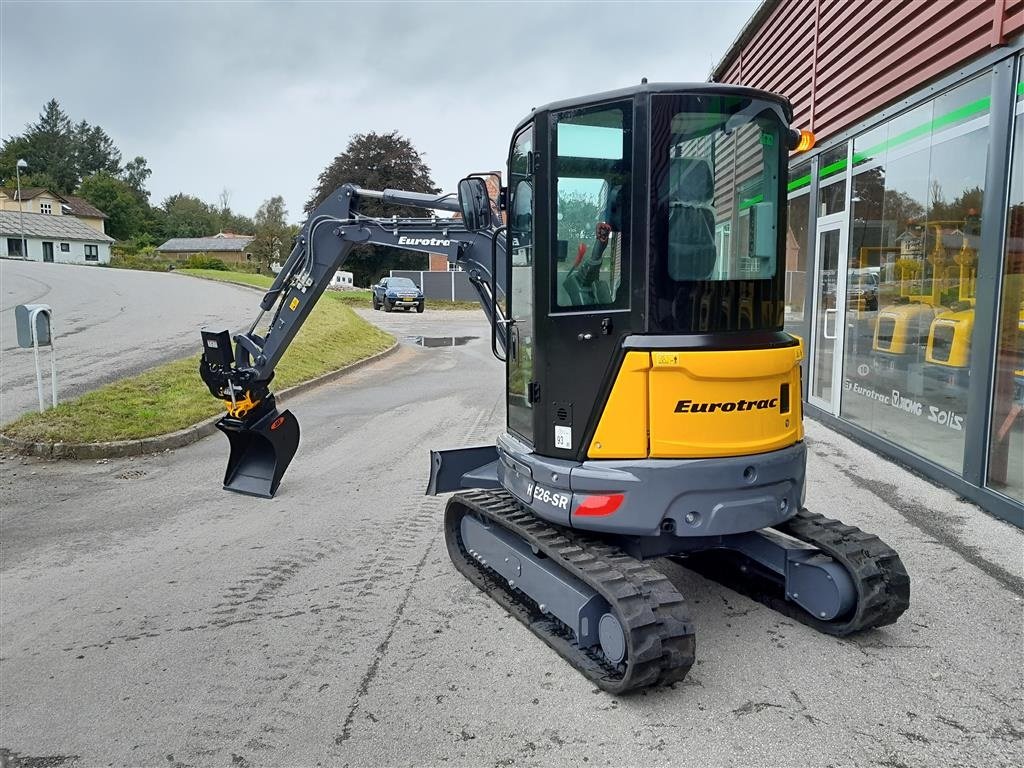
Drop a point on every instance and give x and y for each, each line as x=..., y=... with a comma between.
x=261, y=450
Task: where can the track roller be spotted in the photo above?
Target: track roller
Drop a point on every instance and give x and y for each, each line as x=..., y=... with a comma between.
x=880, y=581
x=614, y=618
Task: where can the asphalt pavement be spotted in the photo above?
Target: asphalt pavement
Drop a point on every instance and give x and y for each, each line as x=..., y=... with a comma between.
x=108, y=324
x=149, y=618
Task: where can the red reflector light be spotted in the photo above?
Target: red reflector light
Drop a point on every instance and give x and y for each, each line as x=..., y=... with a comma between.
x=599, y=506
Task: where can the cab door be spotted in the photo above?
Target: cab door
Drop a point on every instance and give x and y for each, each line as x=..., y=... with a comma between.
x=587, y=280
x=521, y=387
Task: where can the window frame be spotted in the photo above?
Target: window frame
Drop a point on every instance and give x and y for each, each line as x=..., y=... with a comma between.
x=93, y=254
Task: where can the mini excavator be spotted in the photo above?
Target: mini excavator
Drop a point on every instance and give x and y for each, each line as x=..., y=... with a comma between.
x=636, y=299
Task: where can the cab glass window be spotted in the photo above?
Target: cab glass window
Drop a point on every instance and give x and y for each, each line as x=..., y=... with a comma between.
x=716, y=201
x=592, y=178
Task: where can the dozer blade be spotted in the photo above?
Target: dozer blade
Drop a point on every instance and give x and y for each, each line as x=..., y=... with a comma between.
x=260, y=452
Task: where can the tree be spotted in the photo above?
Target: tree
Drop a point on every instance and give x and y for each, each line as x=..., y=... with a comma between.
x=95, y=151
x=48, y=146
x=238, y=223
x=52, y=147
x=126, y=216
x=377, y=161
x=134, y=174
x=62, y=154
x=188, y=216
x=273, y=237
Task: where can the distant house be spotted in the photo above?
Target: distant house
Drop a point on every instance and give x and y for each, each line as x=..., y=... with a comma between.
x=342, y=281
x=226, y=246
x=52, y=237
x=46, y=203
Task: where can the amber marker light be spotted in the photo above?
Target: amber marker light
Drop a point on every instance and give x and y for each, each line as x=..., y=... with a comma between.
x=805, y=142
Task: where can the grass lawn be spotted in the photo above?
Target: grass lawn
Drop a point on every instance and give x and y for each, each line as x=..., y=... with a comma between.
x=357, y=298
x=172, y=396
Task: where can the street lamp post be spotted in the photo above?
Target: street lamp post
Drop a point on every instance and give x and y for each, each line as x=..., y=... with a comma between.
x=21, y=211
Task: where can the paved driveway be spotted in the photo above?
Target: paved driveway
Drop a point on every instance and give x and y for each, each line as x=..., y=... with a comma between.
x=149, y=618
x=109, y=323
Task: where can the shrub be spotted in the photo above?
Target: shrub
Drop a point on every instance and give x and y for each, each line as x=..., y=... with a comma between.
x=202, y=261
x=138, y=261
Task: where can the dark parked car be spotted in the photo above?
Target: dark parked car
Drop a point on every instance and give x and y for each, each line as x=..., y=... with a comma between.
x=394, y=292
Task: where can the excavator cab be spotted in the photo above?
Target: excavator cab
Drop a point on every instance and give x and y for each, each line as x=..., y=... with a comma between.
x=635, y=296
x=647, y=216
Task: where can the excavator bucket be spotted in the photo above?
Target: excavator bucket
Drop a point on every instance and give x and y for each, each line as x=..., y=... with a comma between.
x=260, y=452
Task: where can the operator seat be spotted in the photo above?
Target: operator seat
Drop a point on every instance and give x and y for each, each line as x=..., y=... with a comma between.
x=691, y=220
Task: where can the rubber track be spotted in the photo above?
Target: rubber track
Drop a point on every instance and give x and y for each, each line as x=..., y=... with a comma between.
x=660, y=642
x=881, y=581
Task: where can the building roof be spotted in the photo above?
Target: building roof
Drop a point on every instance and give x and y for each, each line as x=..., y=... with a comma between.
x=206, y=244
x=753, y=24
x=27, y=193
x=77, y=206
x=44, y=226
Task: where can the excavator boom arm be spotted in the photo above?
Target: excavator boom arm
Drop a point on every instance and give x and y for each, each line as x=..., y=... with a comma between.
x=323, y=245
x=239, y=369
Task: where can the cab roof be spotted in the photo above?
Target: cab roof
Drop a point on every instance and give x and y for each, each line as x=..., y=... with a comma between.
x=680, y=88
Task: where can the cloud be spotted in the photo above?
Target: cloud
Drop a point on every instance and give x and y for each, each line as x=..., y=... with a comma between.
x=259, y=97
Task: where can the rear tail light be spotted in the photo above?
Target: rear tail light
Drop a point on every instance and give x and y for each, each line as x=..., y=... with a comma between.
x=599, y=506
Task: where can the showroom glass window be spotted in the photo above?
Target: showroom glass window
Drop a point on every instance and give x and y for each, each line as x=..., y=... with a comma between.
x=915, y=230
x=1006, y=449
x=797, y=245
x=832, y=166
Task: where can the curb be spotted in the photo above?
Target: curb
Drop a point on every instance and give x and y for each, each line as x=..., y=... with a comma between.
x=183, y=437
x=250, y=286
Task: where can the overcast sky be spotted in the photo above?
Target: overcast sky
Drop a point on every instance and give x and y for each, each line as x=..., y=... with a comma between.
x=258, y=98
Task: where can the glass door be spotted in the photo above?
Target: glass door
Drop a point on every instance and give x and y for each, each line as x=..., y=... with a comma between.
x=826, y=350
x=519, y=349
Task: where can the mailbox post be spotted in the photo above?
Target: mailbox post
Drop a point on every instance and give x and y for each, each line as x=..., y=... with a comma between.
x=33, y=322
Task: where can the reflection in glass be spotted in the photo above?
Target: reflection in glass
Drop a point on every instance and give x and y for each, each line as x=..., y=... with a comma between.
x=1006, y=451
x=832, y=180
x=716, y=188
x=826, y=315
x=918, y=184
x=796, y=258
x=592, y=189
x=520, y=293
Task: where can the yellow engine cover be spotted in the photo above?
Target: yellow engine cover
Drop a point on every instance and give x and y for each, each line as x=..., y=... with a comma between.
x=693, y=404
x=949, y=339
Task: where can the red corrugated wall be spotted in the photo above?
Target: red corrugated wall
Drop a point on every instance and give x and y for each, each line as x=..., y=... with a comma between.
x=838, y=61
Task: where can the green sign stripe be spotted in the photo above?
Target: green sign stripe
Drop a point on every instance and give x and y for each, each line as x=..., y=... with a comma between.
x=972, y=109
x=803, y=181
x=978, y=107
x=751, y=202
x=960, y=114
x=1020, y=88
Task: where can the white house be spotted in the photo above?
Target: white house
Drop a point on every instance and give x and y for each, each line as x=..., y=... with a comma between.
x=341, y=281
x=62, y=239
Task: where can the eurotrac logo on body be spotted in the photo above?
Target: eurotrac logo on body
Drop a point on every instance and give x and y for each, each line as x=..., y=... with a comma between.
x=424, y=241
x=689, y=406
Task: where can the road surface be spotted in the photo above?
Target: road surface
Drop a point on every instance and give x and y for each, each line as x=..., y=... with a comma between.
x=149, y=618
x=108, y=323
